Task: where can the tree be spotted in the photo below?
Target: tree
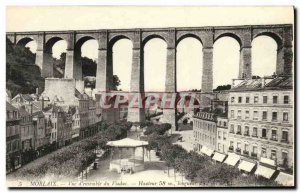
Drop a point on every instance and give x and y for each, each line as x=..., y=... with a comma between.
x=223, y=87
x=22, y=75
x=116, y=82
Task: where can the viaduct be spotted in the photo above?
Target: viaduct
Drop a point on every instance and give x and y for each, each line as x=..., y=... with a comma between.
x=282, y=34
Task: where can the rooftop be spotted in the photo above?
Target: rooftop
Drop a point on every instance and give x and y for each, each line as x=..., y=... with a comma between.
x=266, y=83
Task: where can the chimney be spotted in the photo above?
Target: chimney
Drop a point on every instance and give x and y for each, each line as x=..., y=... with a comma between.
x=37, y=91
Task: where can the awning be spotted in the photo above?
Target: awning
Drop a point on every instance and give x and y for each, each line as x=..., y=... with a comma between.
x=127, y=142
x=267, y=161
x=75, y=135
x=219, y=157
x=232, y=159
x=207, y=151
x=264, y=171
x=285, y=179
x=246, y=166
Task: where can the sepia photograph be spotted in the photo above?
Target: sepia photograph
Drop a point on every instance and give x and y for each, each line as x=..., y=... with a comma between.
x=150, y=97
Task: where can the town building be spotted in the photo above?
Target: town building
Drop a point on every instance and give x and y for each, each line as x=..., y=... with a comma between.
x=27, y=135
x=41, y=133
x=205, y=131
x=54, y=116
x=13, y=138
x=75, y=123
x=222, y=135
x=64, y=134
x=261, y=122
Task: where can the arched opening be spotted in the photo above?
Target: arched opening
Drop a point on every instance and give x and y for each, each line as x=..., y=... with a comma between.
x=86, y=50
x=155, y=58
x=55, y=57
x=121, y=61
x=29, y=43
x=264, y=56
x=189, y=64
x=226, y=58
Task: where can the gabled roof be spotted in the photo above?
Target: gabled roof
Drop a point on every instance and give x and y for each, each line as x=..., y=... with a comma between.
x=283, y=82
x=10, y=107
x=23, y=112
x=26, y=97
x=38, y=114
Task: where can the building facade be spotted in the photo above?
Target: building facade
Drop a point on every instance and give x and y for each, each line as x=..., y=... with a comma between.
x=41, y=136
x=261, y=120
x=27, y=135
x=205, y=130
x=13, y=138
x=222, y=145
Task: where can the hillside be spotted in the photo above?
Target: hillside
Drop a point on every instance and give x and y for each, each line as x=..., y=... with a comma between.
x=22, y=75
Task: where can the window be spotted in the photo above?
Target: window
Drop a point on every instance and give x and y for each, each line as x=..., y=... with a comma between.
x=285, y=136
x=247, y=99
x=240, y=100
x=247, y=114
x=284, y=157
x=264, y=115
x=264, y=133
x=224, y=135
x=219, y=146
x=239, y=130
x=286, y=99
x=254, y=133
x=232, y=99
x=239, y=114
x=263, y=152
x=275, y=99
x=274, y=135
x=273, y=154
x=255, y=115
x=254, y=149
x=255, y=99
x=274, y=116
x=246, y=147
x=232, y=114
x=224, y=124
x=219, y=134
x=246, y=132
x=238, y=145
x=265, y=99
x=231, y=128
x=285, y=116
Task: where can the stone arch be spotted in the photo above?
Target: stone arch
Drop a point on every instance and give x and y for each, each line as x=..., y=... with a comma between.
x=50, y=43
x=152, y=36
x=229, y=34
x=272, y=35
x=116, y=38
x=82, y=40
x=188, y=35
x=25, y=40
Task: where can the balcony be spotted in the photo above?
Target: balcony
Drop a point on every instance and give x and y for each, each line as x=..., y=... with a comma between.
x=246, y=134
x=231, y=131
x=264, y=138
x=274, y=139
x=231, y=148
x=238, y=150
x=254, y=135
x=253, y=155
x=284, y=141
x=238, y=133
x=246, y=153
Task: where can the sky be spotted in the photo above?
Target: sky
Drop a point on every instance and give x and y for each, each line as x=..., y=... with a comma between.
x=189, y=50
